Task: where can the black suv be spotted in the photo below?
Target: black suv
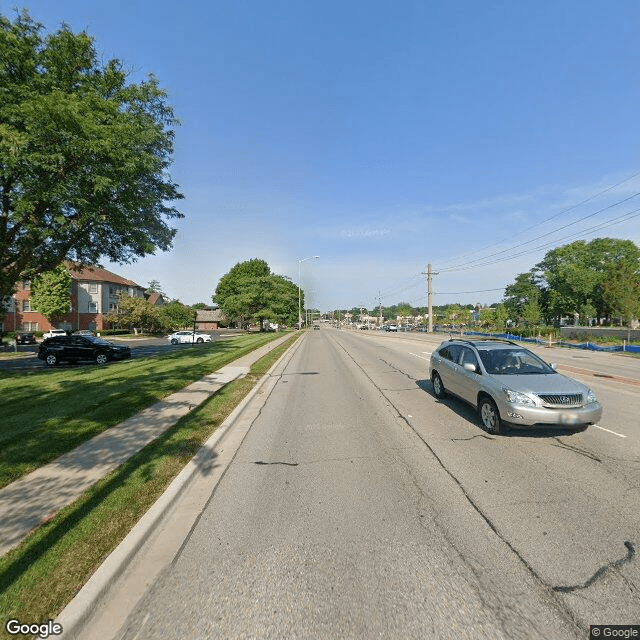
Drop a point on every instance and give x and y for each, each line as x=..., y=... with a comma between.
x=74, y=348
x=26, y=338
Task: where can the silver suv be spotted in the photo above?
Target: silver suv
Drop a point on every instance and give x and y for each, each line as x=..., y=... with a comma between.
x=509, y=384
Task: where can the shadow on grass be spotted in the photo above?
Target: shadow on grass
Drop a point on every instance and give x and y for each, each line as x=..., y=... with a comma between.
x=130, y=481
x=47, y=417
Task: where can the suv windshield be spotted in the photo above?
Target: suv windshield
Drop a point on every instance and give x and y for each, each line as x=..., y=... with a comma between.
x=506, y=362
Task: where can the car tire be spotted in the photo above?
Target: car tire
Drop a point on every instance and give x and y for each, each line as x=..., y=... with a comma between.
x=199, y=340
x=490, y=416
x=51, y=359
x=102, y=358
x=438, y=387
x=174, y=340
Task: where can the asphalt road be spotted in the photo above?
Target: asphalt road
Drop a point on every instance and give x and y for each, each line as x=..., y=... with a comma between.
x=360, y=506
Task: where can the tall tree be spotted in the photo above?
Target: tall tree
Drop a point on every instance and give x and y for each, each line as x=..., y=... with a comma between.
x=155, y=287
x=621, y=291
x=51, y=293
x=84, y=155
x=521, y=293
x=572, y=276
x=250, y=292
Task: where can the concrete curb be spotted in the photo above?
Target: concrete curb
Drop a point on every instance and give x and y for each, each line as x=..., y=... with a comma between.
x=77, y=613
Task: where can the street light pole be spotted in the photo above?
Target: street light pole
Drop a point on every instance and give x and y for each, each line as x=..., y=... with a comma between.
x=299, y=309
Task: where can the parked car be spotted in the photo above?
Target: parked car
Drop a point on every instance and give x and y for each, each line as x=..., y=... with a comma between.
x=26, y=338
x=76, y=348
x=316, y=327
x=510, y=385
x=84, y=332
x=391, y=327
x=52, y=333
x=189, y=337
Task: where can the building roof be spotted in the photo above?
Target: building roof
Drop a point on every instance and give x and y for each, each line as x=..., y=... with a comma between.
x=98, y=274
x=206, y=315
x=156, y=298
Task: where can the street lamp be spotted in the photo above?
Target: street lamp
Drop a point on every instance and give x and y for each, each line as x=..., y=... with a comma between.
x=299, y=310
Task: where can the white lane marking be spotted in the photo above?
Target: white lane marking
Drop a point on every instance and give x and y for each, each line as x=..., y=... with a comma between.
x=419, y=356
x=609, y=431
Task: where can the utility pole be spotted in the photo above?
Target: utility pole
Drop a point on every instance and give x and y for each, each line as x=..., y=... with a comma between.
x=430, y=296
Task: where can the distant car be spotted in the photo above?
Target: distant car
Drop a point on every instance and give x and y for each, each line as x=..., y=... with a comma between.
x=364, y=327
x=391, y=327
x=76, y=348
x=84, y=332
x=26, y=338
x=52, y=333
x=189, y=337
x=316, y=327
x=510, y=385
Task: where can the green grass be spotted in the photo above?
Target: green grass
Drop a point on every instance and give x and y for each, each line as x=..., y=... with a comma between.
x=48, y=412
x=39, y=577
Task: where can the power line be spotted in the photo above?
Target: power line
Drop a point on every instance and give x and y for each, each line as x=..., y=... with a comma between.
x=623, y=218
x=456, y=293
x=556, y=215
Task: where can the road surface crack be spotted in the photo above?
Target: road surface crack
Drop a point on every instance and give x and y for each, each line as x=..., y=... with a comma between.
x=602, y=571
x=288, y=464
x=551, y=590
x=480, y=435
x=582, y=452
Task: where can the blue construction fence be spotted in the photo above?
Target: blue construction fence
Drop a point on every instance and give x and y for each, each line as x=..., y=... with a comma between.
x=560, y=343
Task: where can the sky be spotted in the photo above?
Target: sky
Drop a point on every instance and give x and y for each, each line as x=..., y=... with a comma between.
x=382, y=137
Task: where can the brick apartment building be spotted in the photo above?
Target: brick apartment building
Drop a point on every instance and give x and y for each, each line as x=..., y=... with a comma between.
x=94, y=293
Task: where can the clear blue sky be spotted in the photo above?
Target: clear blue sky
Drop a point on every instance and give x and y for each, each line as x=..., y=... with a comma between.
x=383, y=135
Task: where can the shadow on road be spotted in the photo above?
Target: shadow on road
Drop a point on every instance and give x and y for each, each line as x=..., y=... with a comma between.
x=467, y=412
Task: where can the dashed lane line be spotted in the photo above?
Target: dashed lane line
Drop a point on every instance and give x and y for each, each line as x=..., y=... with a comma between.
x=620, y=435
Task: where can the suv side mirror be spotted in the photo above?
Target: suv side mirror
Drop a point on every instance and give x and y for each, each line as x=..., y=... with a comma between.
x=553, y=365
x=469, y=366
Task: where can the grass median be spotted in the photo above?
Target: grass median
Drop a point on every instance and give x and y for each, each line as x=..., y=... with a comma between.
x=40, y=576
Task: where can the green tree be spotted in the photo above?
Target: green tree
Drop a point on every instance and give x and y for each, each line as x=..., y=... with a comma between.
x=572, y=276
x=175, y=315
x=500, y=317
x=251, y=293
x=84, y=155
x=155, y=287
x=522, y=297
x=531, y=314
x=51, y=293
x=136, y=312
x=621, y=291
x=455, y=314
x=404, y=310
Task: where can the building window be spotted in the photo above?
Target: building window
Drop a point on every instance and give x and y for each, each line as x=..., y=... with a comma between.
x=26, y=305
x=93, y=287
x=93, y=307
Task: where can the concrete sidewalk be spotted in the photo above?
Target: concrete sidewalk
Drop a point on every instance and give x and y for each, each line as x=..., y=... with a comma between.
x=38, y=496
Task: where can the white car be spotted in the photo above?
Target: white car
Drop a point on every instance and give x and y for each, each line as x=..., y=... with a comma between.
x=52, y=333
x=189, y=337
